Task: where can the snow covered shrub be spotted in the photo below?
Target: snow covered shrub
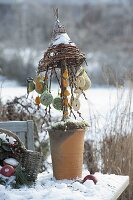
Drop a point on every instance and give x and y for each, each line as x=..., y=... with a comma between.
x=14, y=67
x=20, y=109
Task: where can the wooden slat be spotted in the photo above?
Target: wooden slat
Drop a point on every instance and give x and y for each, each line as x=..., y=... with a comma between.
x=24, y=129
x=14, y=125
x=121, y=189
x=30, y=135
x=22, y=136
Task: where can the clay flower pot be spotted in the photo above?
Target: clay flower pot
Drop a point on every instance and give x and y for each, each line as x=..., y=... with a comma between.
x=67, y=148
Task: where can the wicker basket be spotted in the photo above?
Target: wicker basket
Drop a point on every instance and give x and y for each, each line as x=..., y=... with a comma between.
x=29, y=160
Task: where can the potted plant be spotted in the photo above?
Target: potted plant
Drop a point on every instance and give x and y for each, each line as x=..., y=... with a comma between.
x=63, y=61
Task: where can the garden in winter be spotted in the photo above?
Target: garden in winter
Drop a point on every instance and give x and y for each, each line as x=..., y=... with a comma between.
x=66, y=113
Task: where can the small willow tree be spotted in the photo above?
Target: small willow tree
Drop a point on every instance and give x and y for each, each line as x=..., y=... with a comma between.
x=63, y=61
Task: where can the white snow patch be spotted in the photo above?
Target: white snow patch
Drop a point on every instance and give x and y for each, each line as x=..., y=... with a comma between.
x=11, y=161
x=7, y=138
x=62, y=39
x=48, y=188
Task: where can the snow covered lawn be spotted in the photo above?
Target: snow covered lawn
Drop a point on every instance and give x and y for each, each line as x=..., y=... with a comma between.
x=46, y=187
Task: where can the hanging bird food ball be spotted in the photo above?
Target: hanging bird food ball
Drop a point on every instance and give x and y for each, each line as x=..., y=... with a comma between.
x=57, y=103
x=39, y=87
x=76, y=104
x=65, y=74
x=80, y=82
x=66, y=93
x=46, y=98
x=7, y=170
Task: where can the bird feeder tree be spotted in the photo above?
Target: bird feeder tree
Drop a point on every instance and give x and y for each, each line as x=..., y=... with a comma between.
x=62, y=60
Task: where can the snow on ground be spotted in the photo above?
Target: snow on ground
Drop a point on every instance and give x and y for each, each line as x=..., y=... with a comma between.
x=7, y=83
x=8, y=93
x=99, y=99
x=9, y=89
x=48, y=188
x=100, y=103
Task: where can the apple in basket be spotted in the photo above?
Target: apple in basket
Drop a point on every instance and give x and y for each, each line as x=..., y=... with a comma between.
x=7, y=170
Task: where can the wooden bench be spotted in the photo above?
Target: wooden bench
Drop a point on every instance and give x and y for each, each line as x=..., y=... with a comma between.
x=23, y=129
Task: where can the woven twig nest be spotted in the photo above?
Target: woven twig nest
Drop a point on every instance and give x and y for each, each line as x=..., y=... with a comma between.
x=52, y=57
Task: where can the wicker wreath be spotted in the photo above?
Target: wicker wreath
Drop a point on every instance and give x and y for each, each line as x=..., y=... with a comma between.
x=52, y=57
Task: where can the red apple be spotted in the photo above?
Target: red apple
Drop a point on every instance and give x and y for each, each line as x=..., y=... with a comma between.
x=7, y=170
x=90, y=177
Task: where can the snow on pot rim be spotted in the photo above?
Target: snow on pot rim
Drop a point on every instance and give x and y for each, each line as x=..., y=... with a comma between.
x=68, y=124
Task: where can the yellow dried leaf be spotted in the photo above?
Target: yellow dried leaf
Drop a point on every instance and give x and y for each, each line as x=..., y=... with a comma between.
x=66, y=113
x=65, y=74
x=65, y=83
x=65, y=101
x=66, y=93
x=37, y=100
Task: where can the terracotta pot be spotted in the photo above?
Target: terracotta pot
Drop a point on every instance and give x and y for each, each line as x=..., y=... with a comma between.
x=67, y=153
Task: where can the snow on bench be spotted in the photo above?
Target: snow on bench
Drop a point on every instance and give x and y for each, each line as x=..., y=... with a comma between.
x=23, y=129
x=108, y=187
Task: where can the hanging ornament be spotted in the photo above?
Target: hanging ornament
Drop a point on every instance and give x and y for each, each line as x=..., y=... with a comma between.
x=75, y=104
x=46, y=98
x=39, y=87
x=66, y=93
x=57, y=103
x=87, y=81
x=7, y=170
x=78, y=92
x=82, y=73
x=37, y=100
x=80, y=82
x=65, y=101
x=65, y=74
x=65, y=83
